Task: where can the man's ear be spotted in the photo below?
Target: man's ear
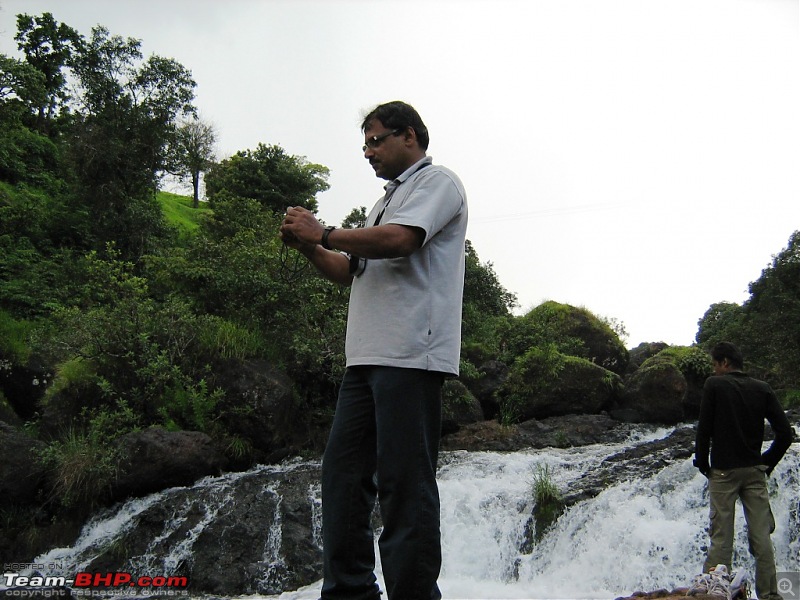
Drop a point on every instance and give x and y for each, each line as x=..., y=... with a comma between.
x=410, y=136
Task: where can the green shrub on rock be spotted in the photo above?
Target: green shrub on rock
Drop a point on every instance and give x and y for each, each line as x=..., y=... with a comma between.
x=573, y=331
x=692, y=361
x=545, y=382
x=548, y=502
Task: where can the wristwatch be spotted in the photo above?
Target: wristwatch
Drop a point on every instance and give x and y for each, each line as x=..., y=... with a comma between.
x=324, y=243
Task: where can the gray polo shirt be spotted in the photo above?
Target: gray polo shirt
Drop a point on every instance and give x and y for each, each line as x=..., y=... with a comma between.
x=406, y=312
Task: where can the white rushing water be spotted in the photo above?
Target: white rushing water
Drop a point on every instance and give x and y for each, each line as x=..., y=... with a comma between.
x=645, y=534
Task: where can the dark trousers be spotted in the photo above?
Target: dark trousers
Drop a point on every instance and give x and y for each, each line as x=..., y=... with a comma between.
x=384, y=443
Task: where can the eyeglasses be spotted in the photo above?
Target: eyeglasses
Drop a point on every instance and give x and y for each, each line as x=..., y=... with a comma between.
x=376, y=140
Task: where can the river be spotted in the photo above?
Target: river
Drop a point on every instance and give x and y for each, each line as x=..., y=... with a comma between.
x=644, y=532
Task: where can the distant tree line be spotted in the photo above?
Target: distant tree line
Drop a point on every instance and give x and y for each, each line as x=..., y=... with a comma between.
x=767, y=325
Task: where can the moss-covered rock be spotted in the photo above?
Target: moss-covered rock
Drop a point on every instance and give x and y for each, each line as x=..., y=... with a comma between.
x=459, y=407
x=642, y=352
x=666, y=388
x=695, y=366
x=546, y=383
x=654, y=393
x=574, y=331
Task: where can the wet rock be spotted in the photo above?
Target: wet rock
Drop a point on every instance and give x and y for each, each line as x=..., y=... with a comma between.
x=155, y=459
x=459, y=407
x=247, y=533
x=493, y=374
x=558, y=432
x=631, y=463
x=261, y=406
x=21, y=477
x=653, y=394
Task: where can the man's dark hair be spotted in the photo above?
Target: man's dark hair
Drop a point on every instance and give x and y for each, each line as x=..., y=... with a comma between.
x=398, y=115
x=727, y=350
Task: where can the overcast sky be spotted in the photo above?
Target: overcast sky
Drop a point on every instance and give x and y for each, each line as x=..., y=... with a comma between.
x=639, y=158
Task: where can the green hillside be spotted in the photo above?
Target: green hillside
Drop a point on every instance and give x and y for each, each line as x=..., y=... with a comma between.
x=179, y=212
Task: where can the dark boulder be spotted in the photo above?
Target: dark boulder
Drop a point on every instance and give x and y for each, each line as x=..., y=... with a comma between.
x=260, y=406
x=581, y=388
x=24, y=385
x=574, y=331
x=21, y=477
x=155, y=459
x=639, y=354
x=548, y=384
x=653, y=394
x=492, y=375
x=243, y=533
x=554, y=432
x=459, y=407
x=7, y=412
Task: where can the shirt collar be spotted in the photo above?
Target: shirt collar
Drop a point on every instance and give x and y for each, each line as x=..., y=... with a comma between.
x=424, y=161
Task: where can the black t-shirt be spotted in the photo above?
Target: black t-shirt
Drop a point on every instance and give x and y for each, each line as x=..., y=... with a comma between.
x=731, y=422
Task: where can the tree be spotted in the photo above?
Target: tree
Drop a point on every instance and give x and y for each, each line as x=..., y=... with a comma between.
x=773, y=314
x=49, y=46
x=25, y=154
x=767, y=325
x=722, y=322
x=485, y=308
x=482, y=287
x=21, y=84
x=193, y=151
x=270, y=176
x=357, y=218
x=127, y=116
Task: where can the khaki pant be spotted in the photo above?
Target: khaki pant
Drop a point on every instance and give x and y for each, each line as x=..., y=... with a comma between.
x=750, y=485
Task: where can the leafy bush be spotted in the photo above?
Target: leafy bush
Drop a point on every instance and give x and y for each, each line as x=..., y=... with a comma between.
x=572, y=330
x=531, y=373
x=789, y=398
x=269, y=175
x=75, y=372
x=693, y=362
x=26, y=156
x=190, y=407
x=14, y=338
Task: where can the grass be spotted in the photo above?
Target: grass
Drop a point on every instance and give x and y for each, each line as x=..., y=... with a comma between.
x=548, y=503
x=179, y=212
x=82, y=470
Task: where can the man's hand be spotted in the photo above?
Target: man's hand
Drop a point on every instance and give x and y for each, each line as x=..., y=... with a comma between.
x=703, y=468
x=300, y=228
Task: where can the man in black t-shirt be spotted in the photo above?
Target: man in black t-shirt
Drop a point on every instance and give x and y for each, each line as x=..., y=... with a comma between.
x=731, y=424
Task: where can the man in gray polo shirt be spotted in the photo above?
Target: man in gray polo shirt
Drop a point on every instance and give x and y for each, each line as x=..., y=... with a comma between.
x=406, y=269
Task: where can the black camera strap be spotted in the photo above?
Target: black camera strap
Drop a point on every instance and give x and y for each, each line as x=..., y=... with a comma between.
x=392, y=187
x=357, y=264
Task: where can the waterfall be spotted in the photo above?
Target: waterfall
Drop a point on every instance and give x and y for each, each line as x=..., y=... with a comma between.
x=642, y=534
x=645, y=532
